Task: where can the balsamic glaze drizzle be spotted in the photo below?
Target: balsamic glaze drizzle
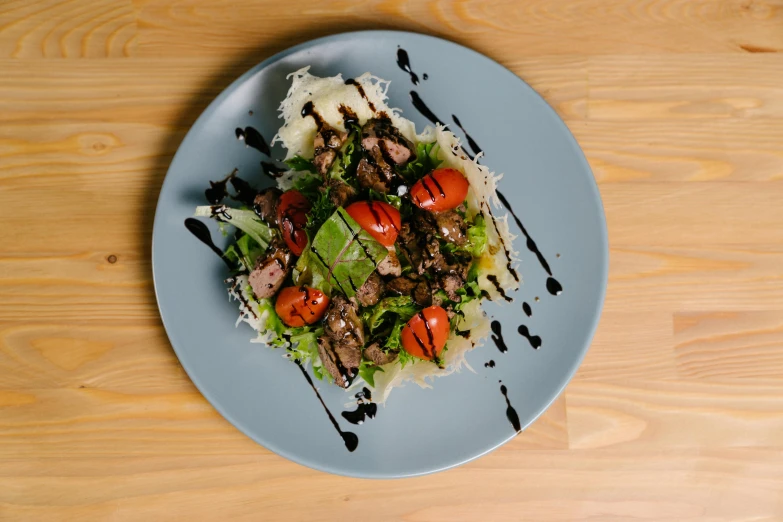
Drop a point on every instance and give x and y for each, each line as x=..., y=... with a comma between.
x=526, y=308
x=404, y=63
x=200, y=230
x=351, y=81
x=365, y=408
x=309, y=110
x=494, y=280
x=554, y=287
x=497, y=336
x=253, y=138
x=535, y=341
x=271, y=170
x=511, y=413
x=350, y=439
x=217, y=189
x=471, y=142
x=489, y=364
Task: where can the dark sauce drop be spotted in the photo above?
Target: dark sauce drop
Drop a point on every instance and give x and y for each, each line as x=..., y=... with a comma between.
x=510, y=268
x=511, y=413
x=245, y=193
x=526, y=308
x=425, y=76
x=535, y=341
x=471, y=142
x=494, y=280
x=350, y=439
x=253, y=138
x=497, y=336
x=554, y=286
x=365, y=409
x=490, y=364
x=351, y=81
x=349, y=117
x=309, y=110
x=200, y=230
x=217, y=189
x=423, y=109
x=403, y=62
x=271, y=170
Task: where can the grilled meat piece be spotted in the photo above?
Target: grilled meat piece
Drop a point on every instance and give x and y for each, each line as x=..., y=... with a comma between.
x=370, y=292
x=340, y=361
x=265, y=205
x=341, y=193
x=390, y=266
x=342, y=324
x=374, y=353
x=380, y=133
x=270, y=271
x=451, y=227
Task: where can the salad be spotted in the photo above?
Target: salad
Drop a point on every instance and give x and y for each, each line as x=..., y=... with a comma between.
x=370, y=258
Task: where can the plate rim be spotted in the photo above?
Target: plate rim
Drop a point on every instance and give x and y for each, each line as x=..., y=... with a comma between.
x=559, y=122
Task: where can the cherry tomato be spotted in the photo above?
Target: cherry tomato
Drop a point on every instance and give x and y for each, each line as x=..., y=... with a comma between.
x=301, y=305
x=425, y=335
x=292, y=217
x=441, y=189
x=380, y=219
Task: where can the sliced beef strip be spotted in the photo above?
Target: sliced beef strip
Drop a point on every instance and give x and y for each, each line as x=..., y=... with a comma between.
x=410, y=248
x=265, y=205
x=390, y=266
x=401, y=286
x=370, y=177
x=342, y=324
x=380, y=133
x=370, y=292
x=324, y=161
x=450, y=283
x=341, y=193
x=327, y=142
x=270, y=272
x=340, y=362
x=422, y=295
x=374, y=353
x=451, y=227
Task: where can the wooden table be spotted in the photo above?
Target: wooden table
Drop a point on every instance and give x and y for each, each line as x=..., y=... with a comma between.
x=677, y=412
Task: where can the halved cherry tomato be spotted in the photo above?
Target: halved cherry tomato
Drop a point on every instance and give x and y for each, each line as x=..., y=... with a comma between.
x=425, y=335
x=292, y=212
x=441, y=189
x=380, y=219
x=301, y=305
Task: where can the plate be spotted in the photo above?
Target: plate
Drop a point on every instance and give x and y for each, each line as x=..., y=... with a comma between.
x=547, y=182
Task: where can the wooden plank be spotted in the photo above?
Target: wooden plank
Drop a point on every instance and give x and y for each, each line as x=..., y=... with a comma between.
x=694, y=278
x=647, y=414
x=67, y=29
x=554, y=485
x=729, y=346
x=686, y=87
x=504, y=30
x=638, y=149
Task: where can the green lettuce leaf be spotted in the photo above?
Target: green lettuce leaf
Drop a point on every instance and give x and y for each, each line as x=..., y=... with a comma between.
x=341, y=256
x=322, y=209
x=301, y=164
x=367, y=371
x=403, y=306
x=426, y=161
x=245, y=220
x=477, y=237
x=309, y=186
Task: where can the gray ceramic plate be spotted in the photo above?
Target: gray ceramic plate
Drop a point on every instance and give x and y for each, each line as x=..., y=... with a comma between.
x=549, y=185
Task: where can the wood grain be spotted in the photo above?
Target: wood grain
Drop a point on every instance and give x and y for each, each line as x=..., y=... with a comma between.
x=676, y=412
